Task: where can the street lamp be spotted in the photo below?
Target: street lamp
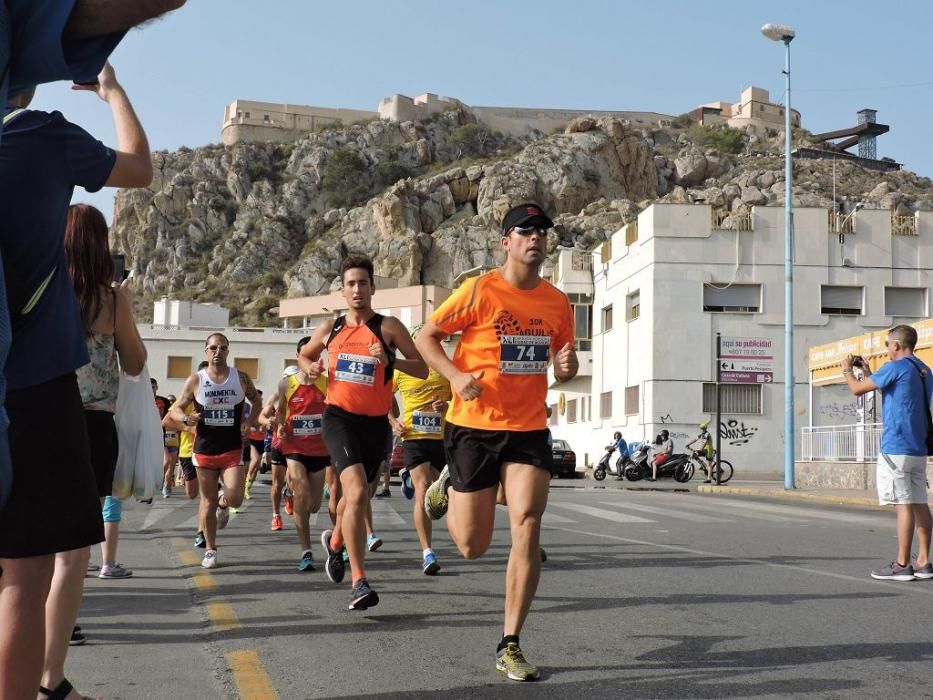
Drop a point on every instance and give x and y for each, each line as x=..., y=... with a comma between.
x=784, y=33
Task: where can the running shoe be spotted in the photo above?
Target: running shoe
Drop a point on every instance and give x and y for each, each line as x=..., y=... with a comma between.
x=408, y=490
x=362, y=596
x=333, y=567
x=435, y=500
x=210, y=559
x=199, y=540
x=326, y=495
x=166, y=491
x=894, y=572
x=115, y=571
x=383, y=493
x=345, y=555
x=246, y=491
x=289, y=502
x=511, y=661
x=373, y=542
x=543, y=555
x=307, y=562
x=429, y=566
x=276, y=522
x=921, y=572
x=223, y=517
x=77, y=637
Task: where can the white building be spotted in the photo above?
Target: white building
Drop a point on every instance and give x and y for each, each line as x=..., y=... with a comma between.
x=663, y=286
x=182, y=314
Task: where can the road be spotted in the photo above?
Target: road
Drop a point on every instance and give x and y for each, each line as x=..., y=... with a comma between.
x=646, y=594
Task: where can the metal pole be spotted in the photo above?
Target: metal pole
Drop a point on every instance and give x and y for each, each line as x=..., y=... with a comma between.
x=788, y=285
x=718, y=409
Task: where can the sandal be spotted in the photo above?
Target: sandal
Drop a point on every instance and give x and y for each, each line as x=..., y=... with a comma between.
x=61, y=692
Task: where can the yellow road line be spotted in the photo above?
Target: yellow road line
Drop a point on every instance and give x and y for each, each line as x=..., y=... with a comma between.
x=189, y=558
x=250, y=677
x=222, y=615
x=179, y=542
x=205, y=582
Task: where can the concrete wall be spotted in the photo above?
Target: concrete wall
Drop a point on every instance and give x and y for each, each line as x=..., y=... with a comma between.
x=520, y=121
x=247, y=120
x=669, y=351
x=172, y=312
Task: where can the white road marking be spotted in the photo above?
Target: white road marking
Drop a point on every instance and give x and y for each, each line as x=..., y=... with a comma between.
x=672, y=512
x=613, y=515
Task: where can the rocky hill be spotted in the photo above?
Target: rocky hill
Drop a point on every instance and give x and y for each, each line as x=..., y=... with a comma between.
x=248, y=224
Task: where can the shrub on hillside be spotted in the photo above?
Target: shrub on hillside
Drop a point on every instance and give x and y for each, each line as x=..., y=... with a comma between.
x=345, y=179
x=471, y=139
x=724, y=139
x=390, y=169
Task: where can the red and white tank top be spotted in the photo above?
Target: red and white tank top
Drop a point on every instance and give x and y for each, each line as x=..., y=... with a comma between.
x=304, y=418
x=221, y=409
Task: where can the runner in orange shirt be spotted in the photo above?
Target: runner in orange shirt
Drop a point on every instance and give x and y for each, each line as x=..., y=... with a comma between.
x=513, y=325
x=361, y=349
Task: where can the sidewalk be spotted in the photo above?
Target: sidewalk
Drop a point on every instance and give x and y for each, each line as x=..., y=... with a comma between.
x=775, y=489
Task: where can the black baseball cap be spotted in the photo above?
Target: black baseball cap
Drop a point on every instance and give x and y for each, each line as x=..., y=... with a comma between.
x=527, y=214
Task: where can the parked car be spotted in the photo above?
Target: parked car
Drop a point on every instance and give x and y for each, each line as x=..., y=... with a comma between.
x=397, y=461
x=564, y=460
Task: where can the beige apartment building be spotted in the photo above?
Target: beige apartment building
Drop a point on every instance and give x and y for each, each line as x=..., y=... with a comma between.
x=753, y=109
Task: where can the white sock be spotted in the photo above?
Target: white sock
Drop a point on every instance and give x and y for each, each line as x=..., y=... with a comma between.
x=307, y=551
x=426, y=552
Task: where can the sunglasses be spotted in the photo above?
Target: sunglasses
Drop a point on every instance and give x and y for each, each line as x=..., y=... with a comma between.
x=218, y=348
x=528, y=230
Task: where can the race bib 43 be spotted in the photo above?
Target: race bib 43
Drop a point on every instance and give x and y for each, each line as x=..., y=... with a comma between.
x=358, y=369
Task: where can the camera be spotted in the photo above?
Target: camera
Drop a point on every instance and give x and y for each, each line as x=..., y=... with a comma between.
x=859, y=361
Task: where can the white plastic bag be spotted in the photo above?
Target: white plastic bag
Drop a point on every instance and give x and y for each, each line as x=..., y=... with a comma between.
x=139, y=431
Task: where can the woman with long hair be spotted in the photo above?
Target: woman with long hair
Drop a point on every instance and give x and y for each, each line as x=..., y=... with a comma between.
x=112, y=343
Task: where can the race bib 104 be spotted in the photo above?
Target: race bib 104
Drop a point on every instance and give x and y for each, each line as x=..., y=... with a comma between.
x=524, y=354
x=218, y=417
x=426, y=422
x=358, y=369
x=307, y=425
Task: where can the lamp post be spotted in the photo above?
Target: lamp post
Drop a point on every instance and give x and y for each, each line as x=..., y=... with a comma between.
x=785, y=34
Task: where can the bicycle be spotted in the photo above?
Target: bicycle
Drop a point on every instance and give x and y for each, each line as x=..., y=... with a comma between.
x=722, y=468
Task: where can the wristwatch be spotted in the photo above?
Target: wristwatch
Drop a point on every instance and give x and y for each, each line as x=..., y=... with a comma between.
x=846, y=372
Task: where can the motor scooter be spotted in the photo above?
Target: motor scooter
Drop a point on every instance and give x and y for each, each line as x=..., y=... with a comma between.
x=676, y=466
x=605, y=465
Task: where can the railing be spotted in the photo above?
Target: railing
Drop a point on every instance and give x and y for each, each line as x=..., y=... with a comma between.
x=725, y=220
x=903, y=225
x=842, y=443
x=581, y=262
x=631, y=232
x=845, y=222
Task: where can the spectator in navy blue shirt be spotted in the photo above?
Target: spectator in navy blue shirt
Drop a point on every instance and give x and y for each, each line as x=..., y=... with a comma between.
x=42, y=157
x=906, y=397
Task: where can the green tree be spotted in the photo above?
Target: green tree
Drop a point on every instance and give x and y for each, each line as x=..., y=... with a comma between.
x=471, y=139
x=389, y=169
x=724, y=139
x=345, y=178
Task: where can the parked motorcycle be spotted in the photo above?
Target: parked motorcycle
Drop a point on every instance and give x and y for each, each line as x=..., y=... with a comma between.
x=605, y=465
x=678, y=466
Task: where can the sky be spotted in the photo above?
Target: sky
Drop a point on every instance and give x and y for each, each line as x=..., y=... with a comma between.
x=668, y=57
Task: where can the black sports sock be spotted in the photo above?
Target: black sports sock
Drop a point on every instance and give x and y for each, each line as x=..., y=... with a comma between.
x=507, y=639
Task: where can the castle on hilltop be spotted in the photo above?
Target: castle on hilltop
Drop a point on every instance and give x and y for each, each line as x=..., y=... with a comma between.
x=249, y=121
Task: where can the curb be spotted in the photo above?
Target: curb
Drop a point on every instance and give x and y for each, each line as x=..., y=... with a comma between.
x=795, y=495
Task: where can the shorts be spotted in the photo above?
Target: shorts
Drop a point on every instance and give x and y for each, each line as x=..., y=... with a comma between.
x=418, y=452
x=354, y=439
x=661, y=459
x=258, y=445
x=172, y=449
x=225, y=460
x=276, y=458
x=476, y=456
x=313, y=464
x=187, y=468
x=901, y=479
x=102, y=442
x=64, y=487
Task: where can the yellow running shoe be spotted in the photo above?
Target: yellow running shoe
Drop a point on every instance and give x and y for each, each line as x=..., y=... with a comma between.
x=512, y=663
x=435, y=498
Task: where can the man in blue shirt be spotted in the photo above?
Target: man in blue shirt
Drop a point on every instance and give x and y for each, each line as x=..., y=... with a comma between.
x=41, y=41
x=906, y=388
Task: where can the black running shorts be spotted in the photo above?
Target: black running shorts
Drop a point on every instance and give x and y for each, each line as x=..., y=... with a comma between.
x=258, y=445
x=51, y=472
x=276, y=458
x=311, y=463
x=418, y=452
x=188, y=470
x=355, y=439
x=102, y=441
x=476, y=456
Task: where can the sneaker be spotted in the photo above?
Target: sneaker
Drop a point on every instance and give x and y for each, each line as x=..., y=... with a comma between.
x=289, y=501
x=223, y=517
x=345, y=555
x=115, y=571
x=307, y=562
x=326, y=494
x=333, y=567
x=435, y=499
x=383, y=493
x=543, y=555
x=166, y=491
x=895, y=572
x=429, y=566
x=246, y=491
x=921, y=572
x=210, y=559
x=408, y=489
x=373, y=542
x=511, y=662
x=276, y=522
x=77, y=638
x=362, y=596
x=199, y=540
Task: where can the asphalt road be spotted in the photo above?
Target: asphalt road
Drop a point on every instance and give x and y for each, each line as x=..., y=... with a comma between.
x=646, y=594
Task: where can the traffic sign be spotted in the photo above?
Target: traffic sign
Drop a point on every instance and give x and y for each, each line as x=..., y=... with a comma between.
x=758, y=365
x=730, y=377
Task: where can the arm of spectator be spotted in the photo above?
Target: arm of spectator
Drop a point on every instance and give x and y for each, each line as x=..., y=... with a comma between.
x=133, y=166
x=855, y=386
x=92, y=18
x=130, y=347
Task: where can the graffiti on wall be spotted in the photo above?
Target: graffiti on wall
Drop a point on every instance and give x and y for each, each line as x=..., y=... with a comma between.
x=735, y=432
x=666, y=419
x=840, y=411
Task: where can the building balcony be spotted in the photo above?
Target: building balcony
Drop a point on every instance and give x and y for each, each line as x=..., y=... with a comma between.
x=573, y=273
